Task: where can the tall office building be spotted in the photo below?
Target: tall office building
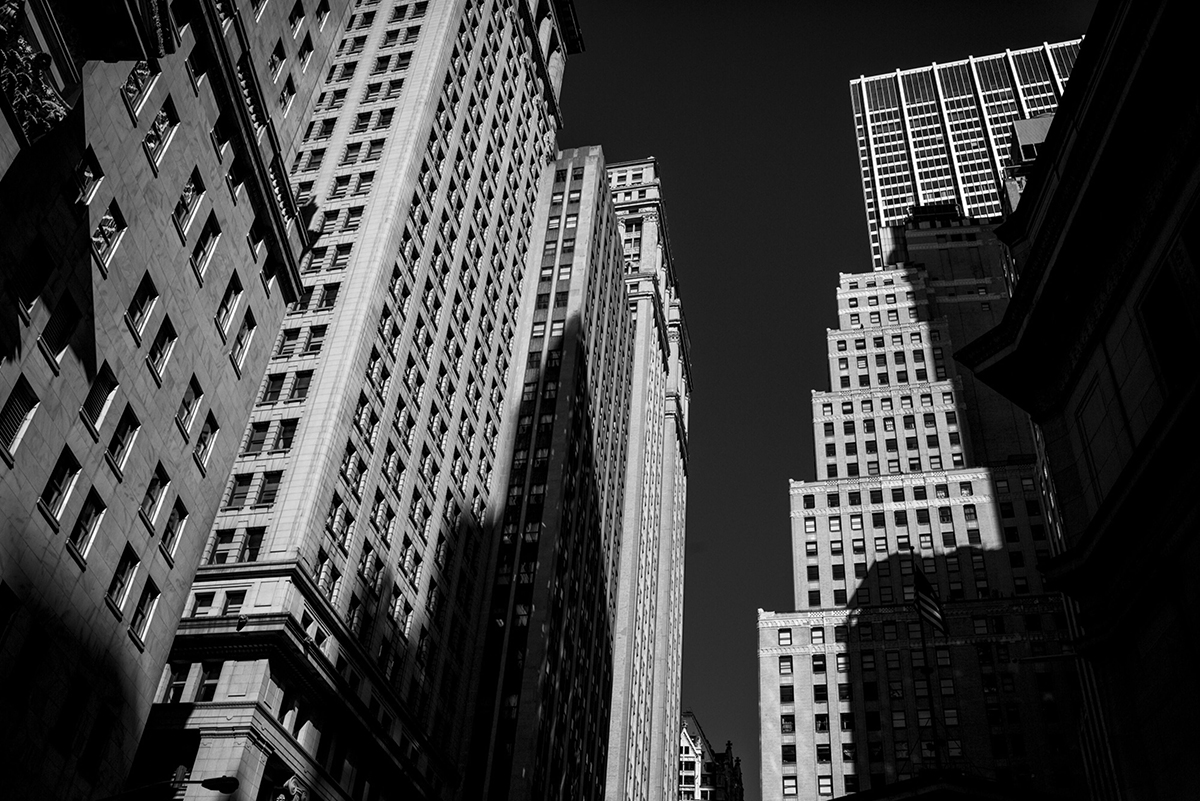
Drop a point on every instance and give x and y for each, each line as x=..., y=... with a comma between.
x=330, y=634
x=941, y=133
x=542, y=722
x=921, y=469
x=150, y=244
x=648, y=644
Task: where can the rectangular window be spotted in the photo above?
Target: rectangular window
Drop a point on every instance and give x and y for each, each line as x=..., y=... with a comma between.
x=240, y=491
x=161, y=348
x=192, y=395
x=174, y=528
x=155, y=490
x=241, y=342
x=140, y=307
x=62, y=480
x=19, y=410
x=60, y=329
x=118, y=588
x=83, y=533
x=233, y=291
x=206, y=438
x=269, y=491
x=143, y=613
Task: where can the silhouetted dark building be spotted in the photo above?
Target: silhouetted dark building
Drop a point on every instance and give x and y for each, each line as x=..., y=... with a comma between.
x=1099, y=346
x=150, y=245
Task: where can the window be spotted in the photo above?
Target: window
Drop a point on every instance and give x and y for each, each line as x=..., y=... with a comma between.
x=785, y=666
x=118, y=588
x=19, y=409
x=285, y=435
x=60, y=329
x=240, y=491
x=155, y=490
x=272, y=388
x=140, y=307
x=107, y=234
x=787, y=724
x=784, y=636
x=206, y=243
x=144, y=611
x=189, y=200
x=233, y=291
x=192, y=395
x=234, y=601
x=241, y=342
x=61, y=482
x=206, y=438
x=122, y=438
x=300, y=386
x=269, y=491
x=161, y=348
x=87, y=523
x=174, y=528
x=316, y=339
x=210, y=676
x=789, y=785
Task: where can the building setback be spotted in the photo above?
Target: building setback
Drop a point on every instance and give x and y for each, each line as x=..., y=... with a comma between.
x=330, y=637
x=150, y=245
x=648, y=643
x=920, y=469
x=542, y=724
x=940, y=133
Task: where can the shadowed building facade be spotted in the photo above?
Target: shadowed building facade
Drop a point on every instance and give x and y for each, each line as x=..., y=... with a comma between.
x=940, y=134
x=1098, y=345
x=542, y=722
x=921, y=469
x=330, y=640
x=150, y=246
x=648, y=642
x=706, y=774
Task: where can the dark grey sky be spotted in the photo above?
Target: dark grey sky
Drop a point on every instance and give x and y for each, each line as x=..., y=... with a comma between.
x=747, y=107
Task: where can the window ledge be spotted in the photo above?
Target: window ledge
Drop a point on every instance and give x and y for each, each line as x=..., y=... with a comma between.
x=112, y=607
x=154, y=373
x=116, y=468
x=137, y=641
x=77, y=556
x=200, y=464
x=6, y=456
x=50, y=358
x=49, y=515
x=89, y=426
x=166, y=554
x=146, y=521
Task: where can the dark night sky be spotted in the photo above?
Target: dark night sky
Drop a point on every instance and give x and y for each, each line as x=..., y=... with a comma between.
x=747, y=107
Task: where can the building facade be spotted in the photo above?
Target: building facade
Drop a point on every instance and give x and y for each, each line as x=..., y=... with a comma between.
x=706, y=774
x=648, y=643
x=150, y=246
x=941, y=133
x=1098, y=346
x=921, y=469
x=330, y=636
x=542, y=729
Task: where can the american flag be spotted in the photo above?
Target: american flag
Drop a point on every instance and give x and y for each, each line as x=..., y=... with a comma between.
x=928, y=605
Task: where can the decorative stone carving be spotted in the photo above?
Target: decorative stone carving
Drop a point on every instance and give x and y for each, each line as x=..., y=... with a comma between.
x=34, y=101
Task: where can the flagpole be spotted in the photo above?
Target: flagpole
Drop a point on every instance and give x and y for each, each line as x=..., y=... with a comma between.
x=928, y=670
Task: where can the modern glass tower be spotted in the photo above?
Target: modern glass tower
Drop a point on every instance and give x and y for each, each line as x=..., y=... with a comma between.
x=940, y=133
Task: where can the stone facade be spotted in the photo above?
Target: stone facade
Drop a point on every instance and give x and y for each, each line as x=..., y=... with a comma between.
x=149, y=250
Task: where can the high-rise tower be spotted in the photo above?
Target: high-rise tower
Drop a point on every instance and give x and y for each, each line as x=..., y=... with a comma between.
x=648, y=645
x=149, y=247
x=922, y=471
x=542, y=727
x=940, y=133
x=331, y=632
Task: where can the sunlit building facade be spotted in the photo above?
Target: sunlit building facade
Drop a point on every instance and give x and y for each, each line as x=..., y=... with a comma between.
x=329, y=639
x=941, y=133
x=150, y=246
x=648, y=643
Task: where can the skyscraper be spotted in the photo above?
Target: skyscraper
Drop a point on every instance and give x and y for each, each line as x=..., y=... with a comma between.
x=940, y=133
x=334, y=624
x=922, y=471
x=648, y=644
x=149, y=247
x=542, y=724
